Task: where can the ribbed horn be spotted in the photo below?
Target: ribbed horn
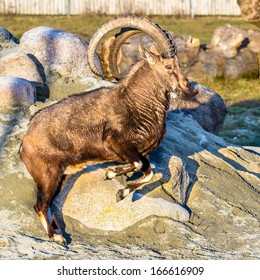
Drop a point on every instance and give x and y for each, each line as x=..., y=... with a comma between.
x=114, y=49
x=161, y=37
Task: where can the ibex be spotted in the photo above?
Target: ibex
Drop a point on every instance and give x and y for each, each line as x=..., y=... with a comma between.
x=121, y=124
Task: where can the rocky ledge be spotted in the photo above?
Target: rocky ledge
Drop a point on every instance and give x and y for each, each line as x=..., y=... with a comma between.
x=203, y=202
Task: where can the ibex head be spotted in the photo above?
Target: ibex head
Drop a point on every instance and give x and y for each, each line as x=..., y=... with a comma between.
x=168, y=70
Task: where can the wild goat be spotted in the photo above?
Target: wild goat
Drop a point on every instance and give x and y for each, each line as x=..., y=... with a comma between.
x=122, y=124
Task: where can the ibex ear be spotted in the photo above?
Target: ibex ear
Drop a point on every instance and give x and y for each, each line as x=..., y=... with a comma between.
x=154, y=49
x=146, y=55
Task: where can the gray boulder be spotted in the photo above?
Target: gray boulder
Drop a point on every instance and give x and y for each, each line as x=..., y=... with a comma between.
x=209, y=64
x=242, y=49
x=7, y=40
x=61, y=57
x=250, y=11
x=219, y=184
x=227, y=38
x=231, y=39
x=207, y=108
x=233, y=53
x=19, y=64
x=244, y=65
x=16, y=91
x=101, y=210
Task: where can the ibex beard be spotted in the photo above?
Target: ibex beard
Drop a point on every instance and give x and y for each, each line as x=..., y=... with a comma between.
x=122, y=124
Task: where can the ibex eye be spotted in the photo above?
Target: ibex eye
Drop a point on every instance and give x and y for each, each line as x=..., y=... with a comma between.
x=168, y=67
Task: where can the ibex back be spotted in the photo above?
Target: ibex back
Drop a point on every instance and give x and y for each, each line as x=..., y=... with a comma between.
x=122, y=124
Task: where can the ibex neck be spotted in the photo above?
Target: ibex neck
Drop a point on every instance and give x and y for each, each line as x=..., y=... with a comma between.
x=144, y=86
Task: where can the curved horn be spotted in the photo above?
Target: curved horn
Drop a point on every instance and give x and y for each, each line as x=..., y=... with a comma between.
x=115, y=47
x=161, y=37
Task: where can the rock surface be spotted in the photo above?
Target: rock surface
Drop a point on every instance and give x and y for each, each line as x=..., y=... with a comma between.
x=209, y=64
x=19, y=64
x=102, y=212
x=7, y=40
x=60, y=56
x=250, y=10
x=15, y=91
x=233, y=69
x=207, y=107
x=219, y=183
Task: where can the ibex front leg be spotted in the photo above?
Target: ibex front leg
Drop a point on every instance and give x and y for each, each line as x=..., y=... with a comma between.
x=123, y=169
x=137, y=163
x=126, y=152
x=147, y=176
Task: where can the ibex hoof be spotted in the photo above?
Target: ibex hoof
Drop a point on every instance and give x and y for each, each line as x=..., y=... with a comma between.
x=138, y=165
x=59, y=239
x=121, y=194
x=110, y=174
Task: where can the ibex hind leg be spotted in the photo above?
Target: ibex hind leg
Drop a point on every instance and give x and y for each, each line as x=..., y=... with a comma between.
x=48, y=222
x=45, y=195
x=147, y=176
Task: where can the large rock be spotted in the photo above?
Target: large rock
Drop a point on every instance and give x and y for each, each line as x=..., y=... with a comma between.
x=227, y=38
x=102, y=210
x=207, y=107
x=231, y=39
x=209, y=64
x=233, y=53
x=19, y=64
x=7, y=40
x=188, y=49
x=241, y=48
x=250, y=10
x=16, y=91
x=214, y=63
x=217, y=181
x=244, y=65
x=61, y=57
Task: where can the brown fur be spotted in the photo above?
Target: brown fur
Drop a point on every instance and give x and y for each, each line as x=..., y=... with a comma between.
x=123, y=124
